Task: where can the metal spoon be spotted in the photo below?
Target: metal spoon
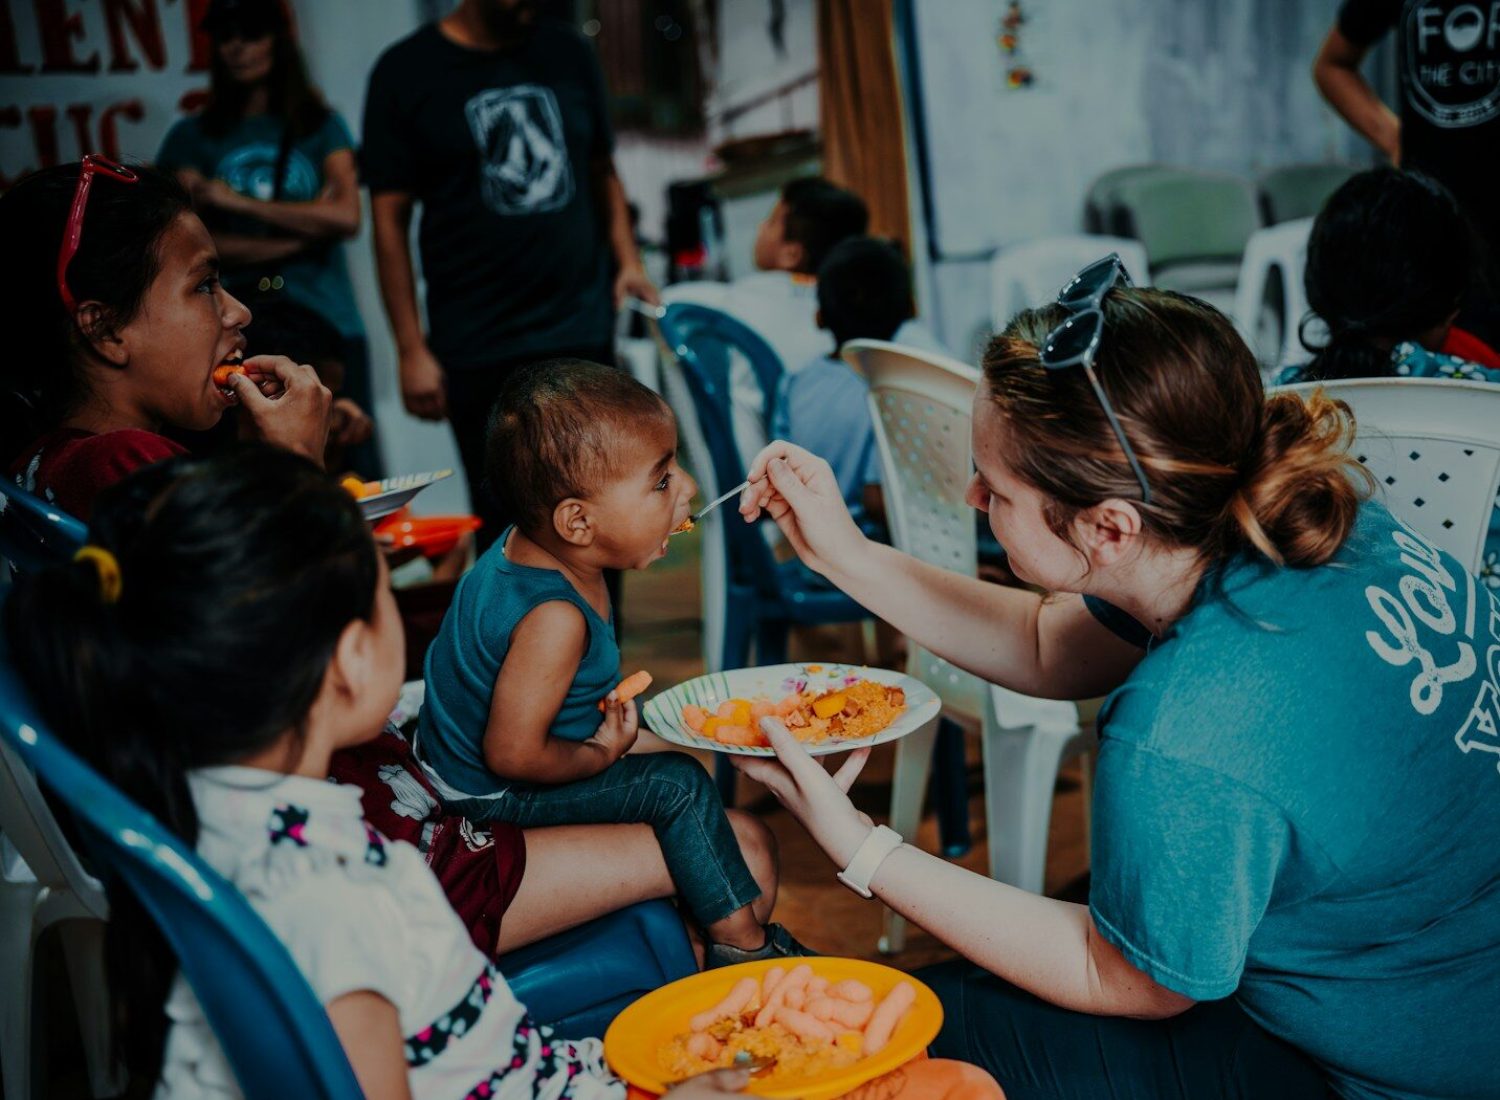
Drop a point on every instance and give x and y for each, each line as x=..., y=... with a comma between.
x=693, y=520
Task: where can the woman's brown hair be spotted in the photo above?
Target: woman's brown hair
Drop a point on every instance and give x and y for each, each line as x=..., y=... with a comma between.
x=1230, y=469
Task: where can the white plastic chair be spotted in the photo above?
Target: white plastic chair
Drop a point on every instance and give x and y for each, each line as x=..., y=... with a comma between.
x=1274, y=262
x=42, y=886
x=1434, y=448
x=1031, y=273
x=921, y=405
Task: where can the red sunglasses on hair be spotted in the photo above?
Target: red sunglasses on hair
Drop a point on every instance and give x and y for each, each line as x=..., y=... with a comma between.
x=92, y=165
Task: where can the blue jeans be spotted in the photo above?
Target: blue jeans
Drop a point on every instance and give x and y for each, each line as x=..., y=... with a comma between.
x=1038, y=1051
x=671, y=792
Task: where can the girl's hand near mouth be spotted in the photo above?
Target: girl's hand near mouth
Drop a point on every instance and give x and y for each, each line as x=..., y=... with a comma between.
x=286, y=403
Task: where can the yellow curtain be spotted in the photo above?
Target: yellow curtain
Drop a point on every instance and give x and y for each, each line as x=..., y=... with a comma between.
x=864, y=147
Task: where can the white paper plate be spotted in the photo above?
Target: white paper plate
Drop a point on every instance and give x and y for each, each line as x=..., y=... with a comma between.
x=663, y=714
x=395, y=492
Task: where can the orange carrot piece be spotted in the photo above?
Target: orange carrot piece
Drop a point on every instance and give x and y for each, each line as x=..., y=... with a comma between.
x=734, y=1002
x=743, y=736
x=224, y=370
x=887, y=1016
x=628, y=688
x=693, y=717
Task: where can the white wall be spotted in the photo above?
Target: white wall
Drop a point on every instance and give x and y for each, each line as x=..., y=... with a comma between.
x=750, y=68
x=1222, y=84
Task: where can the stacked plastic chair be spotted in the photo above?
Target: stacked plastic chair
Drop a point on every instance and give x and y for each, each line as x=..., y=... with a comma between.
x=1270, y=302
x=1299, y=190
x=1029, y=274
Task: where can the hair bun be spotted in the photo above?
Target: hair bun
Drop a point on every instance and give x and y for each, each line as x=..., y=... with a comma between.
x=1299, y=499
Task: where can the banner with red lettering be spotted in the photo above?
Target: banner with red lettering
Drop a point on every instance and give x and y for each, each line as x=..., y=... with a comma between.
x=95, y=76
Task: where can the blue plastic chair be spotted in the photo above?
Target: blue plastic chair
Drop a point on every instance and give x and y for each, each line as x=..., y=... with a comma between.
x=34, y=533
x=273, y=1030
x=764, y=598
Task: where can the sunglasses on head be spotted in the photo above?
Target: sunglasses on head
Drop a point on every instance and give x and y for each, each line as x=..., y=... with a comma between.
x=1075, y=342
x=92, y=165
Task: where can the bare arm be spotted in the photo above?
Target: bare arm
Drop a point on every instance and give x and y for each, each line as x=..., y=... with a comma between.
x=631, y=280
x=333, y=215
x=1050, y=948
x=545, y=650
x=236, y=250
x=421, y=375
x=1047, y=947
x=390, y=212
x=1336, y=73
x=1053, y=648
x=369, y=1030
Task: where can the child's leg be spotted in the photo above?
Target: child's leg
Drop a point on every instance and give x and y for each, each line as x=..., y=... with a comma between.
x=575, y=873
x=935, y=1079
x=672, y=793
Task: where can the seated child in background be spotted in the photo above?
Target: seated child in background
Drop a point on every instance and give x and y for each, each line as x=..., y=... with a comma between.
x=585, y=458
x=1390, y=260
x=864, y=292
x=779, y=300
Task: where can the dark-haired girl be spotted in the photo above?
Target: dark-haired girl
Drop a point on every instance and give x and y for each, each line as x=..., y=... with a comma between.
x=1297, y=799
x=192, y=565
x=270, y=167
x=115, y=321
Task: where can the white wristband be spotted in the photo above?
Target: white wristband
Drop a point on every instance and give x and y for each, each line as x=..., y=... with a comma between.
x=880, y=843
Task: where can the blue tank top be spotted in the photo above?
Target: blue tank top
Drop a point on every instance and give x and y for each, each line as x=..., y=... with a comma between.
x=465, y=658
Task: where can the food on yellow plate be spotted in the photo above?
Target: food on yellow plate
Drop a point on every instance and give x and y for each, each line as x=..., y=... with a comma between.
x=807, y=1025
x=225, y=369
x=858, y=709
x=628, y=688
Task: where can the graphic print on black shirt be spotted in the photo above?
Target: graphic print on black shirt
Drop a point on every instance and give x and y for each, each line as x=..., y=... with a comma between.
x=524, y=155
x=1453, y=78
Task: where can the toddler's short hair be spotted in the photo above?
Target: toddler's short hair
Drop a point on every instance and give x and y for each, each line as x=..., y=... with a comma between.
x=555, y=433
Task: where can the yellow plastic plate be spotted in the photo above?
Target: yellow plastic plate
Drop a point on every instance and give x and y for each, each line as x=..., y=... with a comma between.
x=633, y=1040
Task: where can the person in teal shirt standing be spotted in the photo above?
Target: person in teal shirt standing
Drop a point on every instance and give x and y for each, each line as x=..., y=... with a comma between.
x=271, y=169
x=1295, y=887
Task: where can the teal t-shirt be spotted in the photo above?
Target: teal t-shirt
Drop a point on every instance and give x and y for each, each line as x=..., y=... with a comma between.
x=245, y=158
x=469, y=649
x=1298, y=805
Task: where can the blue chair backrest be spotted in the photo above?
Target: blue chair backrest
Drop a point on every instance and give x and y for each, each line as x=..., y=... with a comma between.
x=702, y=338
x=269, y=1022
x=34, y=533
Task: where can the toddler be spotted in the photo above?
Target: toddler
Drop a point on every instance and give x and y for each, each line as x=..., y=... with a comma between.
x=512, y=729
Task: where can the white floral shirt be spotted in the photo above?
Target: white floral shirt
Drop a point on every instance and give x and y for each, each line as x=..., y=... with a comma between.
x=360, y=912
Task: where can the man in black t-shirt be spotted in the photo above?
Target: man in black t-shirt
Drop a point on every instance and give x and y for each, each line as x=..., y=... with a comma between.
x=1448, y=55
x=496, y=123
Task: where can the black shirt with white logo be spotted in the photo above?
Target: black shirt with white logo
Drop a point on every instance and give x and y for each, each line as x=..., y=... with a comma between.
x=497, y=148
x=1449, y=59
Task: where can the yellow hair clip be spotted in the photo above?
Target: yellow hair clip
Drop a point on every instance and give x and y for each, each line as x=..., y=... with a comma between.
x=108, y=568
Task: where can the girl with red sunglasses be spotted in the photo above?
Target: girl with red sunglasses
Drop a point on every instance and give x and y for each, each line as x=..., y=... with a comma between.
x=115, y=320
